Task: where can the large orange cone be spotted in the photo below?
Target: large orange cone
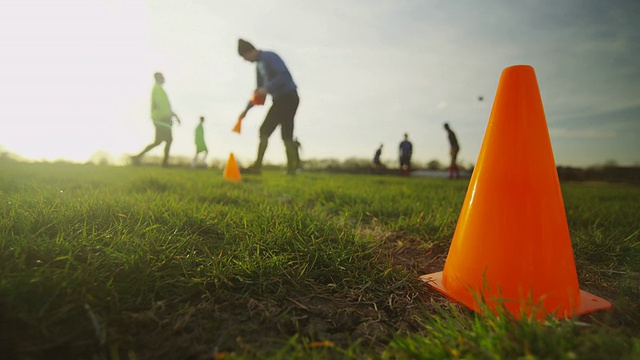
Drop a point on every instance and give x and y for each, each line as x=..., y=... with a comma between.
x=511, y=245
x=231, y=171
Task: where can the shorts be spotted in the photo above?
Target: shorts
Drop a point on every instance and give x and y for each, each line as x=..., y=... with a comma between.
x=200, y=147
x=163, y=133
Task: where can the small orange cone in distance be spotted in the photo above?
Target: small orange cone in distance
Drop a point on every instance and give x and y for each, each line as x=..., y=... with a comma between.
x=511, y=245
x=231, y=171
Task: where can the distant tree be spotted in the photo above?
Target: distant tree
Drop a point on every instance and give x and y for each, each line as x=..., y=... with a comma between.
x=434, y=165
x=7, y=156
x=610, y=164
x=356, y=164
x=101, y=157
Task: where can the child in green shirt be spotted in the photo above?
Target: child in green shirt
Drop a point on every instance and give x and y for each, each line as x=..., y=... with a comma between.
x=201, y=146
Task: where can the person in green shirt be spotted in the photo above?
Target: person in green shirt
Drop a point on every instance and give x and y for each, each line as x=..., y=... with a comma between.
x=162, y=117
x=201, y=146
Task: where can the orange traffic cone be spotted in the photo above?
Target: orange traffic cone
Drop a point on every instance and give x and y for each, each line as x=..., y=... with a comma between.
x=511, y=246
x=238, y=127
x=231, y=171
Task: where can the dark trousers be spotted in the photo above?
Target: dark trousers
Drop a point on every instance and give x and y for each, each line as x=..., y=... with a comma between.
x=282, y=112
x=405, y=165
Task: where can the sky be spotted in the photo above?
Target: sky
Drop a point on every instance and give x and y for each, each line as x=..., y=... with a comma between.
x=76, y=75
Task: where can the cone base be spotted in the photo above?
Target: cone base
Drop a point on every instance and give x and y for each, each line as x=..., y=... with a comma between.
x=588, y=302
x=234, y=179
x=231, y=177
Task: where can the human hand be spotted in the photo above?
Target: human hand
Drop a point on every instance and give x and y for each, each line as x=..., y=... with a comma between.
x=262, y=91
x=259, y=96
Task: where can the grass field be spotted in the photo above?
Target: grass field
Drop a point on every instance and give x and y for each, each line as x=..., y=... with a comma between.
x=104, y=262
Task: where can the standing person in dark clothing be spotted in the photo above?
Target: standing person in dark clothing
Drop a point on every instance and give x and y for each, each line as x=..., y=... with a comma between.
x=376, y=158
x=455, y=148
x=162, y=117
x=406, y=150
x=274, y=78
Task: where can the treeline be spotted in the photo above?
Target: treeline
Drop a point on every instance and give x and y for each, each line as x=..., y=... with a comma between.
x=608, y=172
x=605, y=173
x=361, y=164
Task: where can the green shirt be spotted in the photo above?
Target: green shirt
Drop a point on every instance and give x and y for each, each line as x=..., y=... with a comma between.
x=200, y=137
x=160, y=107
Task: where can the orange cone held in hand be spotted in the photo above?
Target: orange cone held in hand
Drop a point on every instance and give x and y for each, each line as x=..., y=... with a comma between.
x=511, y=246
x=238, y=127
x=231, y=171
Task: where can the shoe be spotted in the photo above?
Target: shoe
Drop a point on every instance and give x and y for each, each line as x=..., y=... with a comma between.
x=251, y=170
x=135, y=160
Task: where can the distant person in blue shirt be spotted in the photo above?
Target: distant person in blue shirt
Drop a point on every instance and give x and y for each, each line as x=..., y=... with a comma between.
x=406, y=150
x=455, y=148
x=274, y=78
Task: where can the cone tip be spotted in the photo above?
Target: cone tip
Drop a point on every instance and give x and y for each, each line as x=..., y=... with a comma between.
x=522, y=68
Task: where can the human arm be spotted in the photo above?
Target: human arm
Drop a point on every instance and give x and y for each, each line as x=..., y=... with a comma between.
x=246, y=109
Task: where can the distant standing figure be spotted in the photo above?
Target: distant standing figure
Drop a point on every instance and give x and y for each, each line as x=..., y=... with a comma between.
x=201, y=145
x=376, y=158
x=274, y=78
x=455, y=148
x=162, y=117
x=406, y=150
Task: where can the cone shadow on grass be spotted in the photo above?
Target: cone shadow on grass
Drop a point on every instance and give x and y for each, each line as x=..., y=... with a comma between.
x=512, y=234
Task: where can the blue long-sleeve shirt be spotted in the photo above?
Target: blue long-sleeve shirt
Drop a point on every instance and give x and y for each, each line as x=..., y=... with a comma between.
x=273, y=74
x=406, y=149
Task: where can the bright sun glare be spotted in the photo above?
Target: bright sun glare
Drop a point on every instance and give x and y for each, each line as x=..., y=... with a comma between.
x=73, y=73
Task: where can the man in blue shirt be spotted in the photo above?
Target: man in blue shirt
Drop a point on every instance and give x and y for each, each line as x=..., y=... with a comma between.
x=274, y=78
x=406, y=150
